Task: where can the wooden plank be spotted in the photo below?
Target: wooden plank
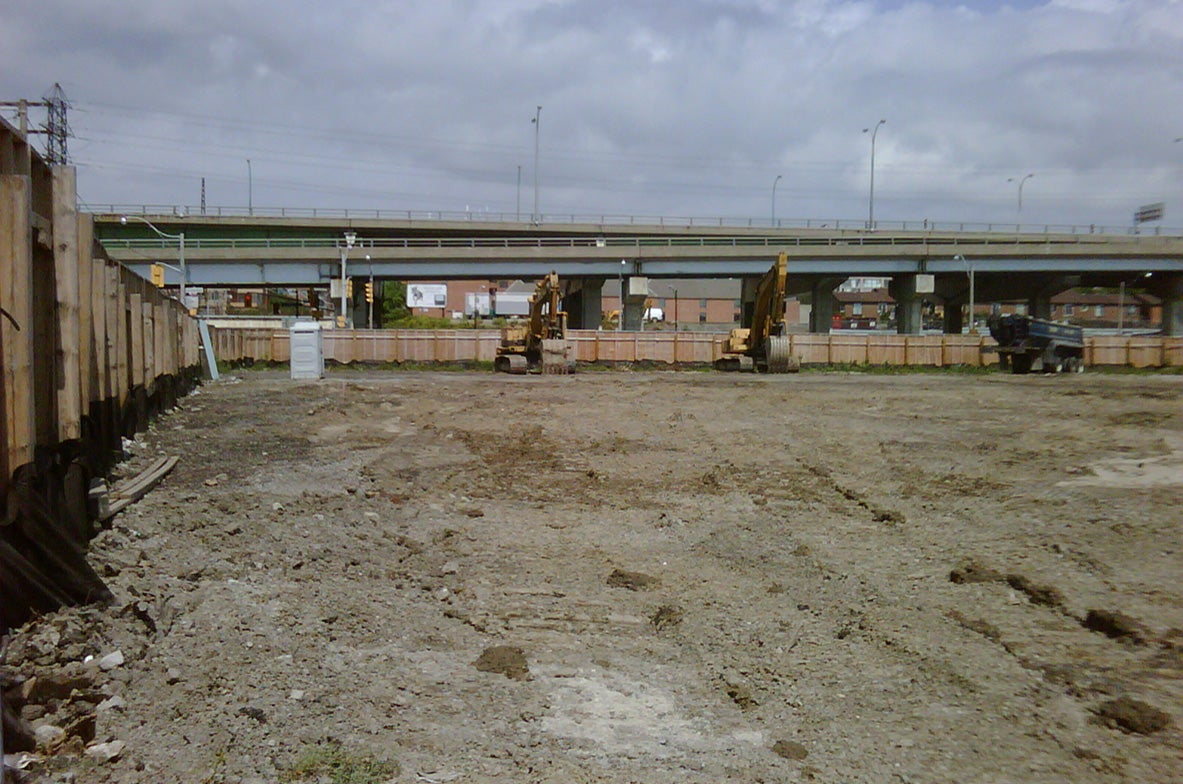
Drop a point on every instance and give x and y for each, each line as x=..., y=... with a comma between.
x=86, y=325
x=159, y=338
x=148, y=338
x=135, y=332
x=129, y=492
x=67, y=369
x=16, y=297
x=101, y=365
x=112, y=317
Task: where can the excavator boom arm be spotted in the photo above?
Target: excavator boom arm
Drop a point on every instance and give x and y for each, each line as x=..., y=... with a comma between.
x=768, y=313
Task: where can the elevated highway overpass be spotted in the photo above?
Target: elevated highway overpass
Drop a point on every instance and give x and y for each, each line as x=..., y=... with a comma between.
x=1011, y=263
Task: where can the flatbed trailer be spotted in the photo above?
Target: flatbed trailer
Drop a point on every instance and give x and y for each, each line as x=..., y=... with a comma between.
x=1028, y=344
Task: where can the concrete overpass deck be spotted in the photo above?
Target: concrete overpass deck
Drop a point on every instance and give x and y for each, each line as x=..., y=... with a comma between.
x=1008, y=265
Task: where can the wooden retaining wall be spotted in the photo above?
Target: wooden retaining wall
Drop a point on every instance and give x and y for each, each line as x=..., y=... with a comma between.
x=678, y=348
x=88, y=352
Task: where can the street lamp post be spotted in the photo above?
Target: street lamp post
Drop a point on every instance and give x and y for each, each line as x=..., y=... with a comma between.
x=250, y=188
x=774, y=182
x=370, y=291
x=871, y=210
x=537, y=126
x=620, y=314
x=180, y=238
x=1022, y=180
x=675, y=307
x=350, y=238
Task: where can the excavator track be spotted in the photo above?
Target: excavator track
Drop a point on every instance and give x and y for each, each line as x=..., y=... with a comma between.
x=511, y=363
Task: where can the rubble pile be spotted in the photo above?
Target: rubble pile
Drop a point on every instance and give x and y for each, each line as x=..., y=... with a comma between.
x=61, y=679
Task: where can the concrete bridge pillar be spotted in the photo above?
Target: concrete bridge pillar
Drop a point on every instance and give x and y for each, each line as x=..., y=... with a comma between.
x=908, y=303
x=632, y=310
x=1039, y=303
x=821, y=312
x=357, y=315
x=584, y=303
x=635, y=290
x=954, y=318
x=1170, y=289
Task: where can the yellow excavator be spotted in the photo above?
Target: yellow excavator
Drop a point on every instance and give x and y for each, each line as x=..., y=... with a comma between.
x=762, y=344
x=540, y=344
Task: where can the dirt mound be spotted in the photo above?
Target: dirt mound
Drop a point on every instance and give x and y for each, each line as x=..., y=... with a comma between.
x=1117, y=625
x=506, y=660
x=1130, y=715
x=633, y=581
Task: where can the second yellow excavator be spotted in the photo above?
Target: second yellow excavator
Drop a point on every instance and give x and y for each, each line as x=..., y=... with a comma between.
x=540, y=344
x=762, y=343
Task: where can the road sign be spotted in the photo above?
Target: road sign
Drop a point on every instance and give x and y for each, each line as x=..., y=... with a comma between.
x=1149, y=212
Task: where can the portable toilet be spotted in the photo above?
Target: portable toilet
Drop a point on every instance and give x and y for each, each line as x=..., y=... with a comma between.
x=307, y=350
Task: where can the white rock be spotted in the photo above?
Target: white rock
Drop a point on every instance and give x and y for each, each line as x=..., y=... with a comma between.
x=297, y=694
x=111, y=661
x=111, y=703
x=105, y=752
x=49, y=735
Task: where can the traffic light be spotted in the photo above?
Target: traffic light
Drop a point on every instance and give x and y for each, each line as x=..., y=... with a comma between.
x=349, y=288
x=158, y=275
x=370, y=291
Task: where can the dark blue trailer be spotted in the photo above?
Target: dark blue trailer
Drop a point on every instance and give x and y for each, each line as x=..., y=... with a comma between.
x=1026, y=344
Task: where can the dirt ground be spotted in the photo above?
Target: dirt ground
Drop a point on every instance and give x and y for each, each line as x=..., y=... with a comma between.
x=635, y=577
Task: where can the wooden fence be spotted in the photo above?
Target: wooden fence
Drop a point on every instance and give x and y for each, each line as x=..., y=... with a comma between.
x=677, y=348
x=88, y=352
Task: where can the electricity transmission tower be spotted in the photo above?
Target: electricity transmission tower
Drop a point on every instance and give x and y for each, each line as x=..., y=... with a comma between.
x=56, y=127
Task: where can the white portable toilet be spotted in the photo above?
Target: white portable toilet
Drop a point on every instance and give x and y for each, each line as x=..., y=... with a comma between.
x=307, y=349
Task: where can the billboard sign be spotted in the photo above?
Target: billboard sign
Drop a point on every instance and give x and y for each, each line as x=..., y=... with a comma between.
x=1149, y=212
x=427, y=295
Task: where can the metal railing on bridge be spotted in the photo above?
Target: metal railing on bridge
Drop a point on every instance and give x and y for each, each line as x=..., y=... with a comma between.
x=633, y=243
x=560, y=219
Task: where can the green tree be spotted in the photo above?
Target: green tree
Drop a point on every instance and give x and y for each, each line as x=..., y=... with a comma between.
x=394, y=302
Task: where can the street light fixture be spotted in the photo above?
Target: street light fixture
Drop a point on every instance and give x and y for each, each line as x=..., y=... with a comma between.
x=871, y=210
x=180, y=238
x=774, y=182
x=350, y=238
x=1021, y=183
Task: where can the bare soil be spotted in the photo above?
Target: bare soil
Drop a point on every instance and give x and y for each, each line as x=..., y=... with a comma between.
x=636, y=577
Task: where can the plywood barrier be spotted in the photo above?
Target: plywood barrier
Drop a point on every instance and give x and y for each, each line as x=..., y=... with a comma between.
x=88, y=351
x=678, y=348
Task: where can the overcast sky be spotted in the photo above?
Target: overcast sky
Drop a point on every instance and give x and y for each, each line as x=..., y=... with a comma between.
x=679, y=108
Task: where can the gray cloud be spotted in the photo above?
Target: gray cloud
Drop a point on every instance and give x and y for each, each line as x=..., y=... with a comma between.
x=649, y=108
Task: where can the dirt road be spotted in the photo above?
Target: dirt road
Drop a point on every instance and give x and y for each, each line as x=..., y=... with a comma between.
x=649, y=577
